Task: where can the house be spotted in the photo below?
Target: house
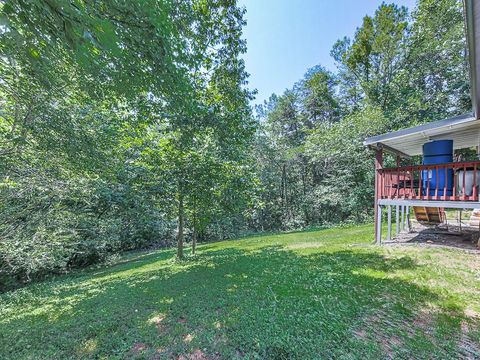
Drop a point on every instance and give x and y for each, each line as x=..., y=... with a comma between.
x=439, y=182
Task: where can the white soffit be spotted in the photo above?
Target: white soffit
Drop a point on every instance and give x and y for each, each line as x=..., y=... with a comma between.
x=464, y=130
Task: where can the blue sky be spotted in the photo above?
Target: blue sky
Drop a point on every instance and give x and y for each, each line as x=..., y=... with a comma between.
x=287, y=37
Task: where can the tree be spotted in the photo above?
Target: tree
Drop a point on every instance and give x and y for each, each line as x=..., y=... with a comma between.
x=376, y=54
x=104, y=107
x=320, y=103
x=435, y=74
x=396, y=71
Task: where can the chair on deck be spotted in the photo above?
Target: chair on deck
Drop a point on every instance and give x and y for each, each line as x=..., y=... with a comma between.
x=404, y=185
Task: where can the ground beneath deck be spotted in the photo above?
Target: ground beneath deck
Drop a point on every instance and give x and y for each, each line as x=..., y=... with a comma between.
x=448, y=235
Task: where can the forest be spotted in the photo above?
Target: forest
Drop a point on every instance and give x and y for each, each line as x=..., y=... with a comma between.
x=128, y=125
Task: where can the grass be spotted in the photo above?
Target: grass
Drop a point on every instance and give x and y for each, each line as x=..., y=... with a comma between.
x=305, y=295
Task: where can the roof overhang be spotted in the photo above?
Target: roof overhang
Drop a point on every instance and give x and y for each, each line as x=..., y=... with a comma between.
x=464, y=130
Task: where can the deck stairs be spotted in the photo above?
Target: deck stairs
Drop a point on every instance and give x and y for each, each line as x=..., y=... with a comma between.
x=430, y=215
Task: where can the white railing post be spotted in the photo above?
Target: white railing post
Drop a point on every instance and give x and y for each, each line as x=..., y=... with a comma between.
x=378, y=234
x=389, y=223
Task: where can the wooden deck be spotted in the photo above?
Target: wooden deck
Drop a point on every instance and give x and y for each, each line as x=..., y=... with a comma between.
x=415, y=183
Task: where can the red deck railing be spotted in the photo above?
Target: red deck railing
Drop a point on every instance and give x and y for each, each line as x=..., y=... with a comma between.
x=423, y=182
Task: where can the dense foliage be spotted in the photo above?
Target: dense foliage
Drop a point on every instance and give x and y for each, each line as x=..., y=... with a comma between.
x=116, y=128
x=399, y=70
x=127, y=125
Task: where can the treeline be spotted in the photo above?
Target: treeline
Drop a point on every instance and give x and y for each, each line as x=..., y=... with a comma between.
x=122, y=125
x=128, y=125
x=400, y=69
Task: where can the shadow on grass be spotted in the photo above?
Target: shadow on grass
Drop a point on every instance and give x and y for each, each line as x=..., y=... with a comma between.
x=229, y=303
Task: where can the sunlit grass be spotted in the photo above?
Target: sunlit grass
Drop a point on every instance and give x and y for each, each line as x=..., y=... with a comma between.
x=318, y=294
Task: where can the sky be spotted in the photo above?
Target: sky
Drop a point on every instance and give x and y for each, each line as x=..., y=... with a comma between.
x=287, y=37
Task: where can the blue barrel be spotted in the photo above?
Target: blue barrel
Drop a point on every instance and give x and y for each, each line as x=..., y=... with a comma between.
x=437, y=152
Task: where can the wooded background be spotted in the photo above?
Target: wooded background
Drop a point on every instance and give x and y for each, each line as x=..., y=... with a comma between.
x=127, y=125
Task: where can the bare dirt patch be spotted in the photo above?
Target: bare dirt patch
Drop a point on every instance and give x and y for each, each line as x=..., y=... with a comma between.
x=361, y=334
x=424, y=321
x=197, y=355
x=470, y=313
x=159, y=322
x=138, y=348
x=470, y=349
x=444, y=235
x=374, y=330
x=187, y=338
x=377, y=328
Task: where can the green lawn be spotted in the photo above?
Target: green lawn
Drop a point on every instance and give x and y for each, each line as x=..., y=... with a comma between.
x=305, y=295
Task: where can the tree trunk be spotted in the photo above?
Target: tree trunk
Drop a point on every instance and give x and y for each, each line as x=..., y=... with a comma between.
x=180, y=235
x=194, y=237
x=194, y=241
x=284, y=186
x=306, y=215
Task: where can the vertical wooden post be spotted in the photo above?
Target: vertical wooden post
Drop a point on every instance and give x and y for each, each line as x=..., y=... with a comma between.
x=378, y=166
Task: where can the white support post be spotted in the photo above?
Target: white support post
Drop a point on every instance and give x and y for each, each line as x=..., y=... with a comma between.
x=460, y=219
x=379, y=225
x=403, y=219
x=409, y=225
x=389, y=223
x=397, y=220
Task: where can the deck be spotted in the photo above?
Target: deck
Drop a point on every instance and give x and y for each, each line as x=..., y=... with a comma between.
x=413, y=185
x=424, y=186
